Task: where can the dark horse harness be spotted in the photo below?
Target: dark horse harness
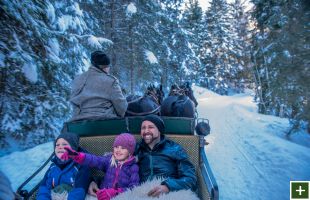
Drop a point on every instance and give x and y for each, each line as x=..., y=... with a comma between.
x=154, y=111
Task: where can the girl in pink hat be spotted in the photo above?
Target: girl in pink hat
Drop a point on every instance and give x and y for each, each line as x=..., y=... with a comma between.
x=120, y=167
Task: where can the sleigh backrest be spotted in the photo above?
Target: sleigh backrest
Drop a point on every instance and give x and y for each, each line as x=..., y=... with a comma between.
x=100, y=145
x=174, y=125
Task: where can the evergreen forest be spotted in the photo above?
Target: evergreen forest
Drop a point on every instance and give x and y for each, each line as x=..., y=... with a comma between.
x=232, y=46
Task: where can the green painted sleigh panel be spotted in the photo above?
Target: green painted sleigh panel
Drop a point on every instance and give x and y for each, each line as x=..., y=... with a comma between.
x=174, y=125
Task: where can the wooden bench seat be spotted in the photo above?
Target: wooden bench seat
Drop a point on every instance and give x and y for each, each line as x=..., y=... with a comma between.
x=100, y=145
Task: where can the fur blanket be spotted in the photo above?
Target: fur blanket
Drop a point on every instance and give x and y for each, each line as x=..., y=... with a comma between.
x=59, y=196
x=140, y=193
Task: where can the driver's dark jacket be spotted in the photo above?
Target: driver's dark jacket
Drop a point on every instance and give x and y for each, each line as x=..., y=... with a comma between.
x=167, y=160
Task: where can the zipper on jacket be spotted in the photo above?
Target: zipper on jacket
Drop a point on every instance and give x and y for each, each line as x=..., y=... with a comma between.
x=151, y=167
x=63, y=171
x=59, y=179
x=115, y=181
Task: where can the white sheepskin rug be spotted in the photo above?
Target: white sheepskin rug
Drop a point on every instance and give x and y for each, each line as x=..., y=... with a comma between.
x=59, y=196
x=140, y=193
x=89, y=197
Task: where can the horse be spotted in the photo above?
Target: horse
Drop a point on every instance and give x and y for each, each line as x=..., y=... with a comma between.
x=149, y=103
x=189, y=92
x=178, y=104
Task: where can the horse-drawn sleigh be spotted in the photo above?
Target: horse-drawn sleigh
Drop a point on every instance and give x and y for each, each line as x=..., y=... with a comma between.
x=97, y=136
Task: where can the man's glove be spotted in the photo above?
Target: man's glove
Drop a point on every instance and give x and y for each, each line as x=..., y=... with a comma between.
x=76, y=156
x=107, y=194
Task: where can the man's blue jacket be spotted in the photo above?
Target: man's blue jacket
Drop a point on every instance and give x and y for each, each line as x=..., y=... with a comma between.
x=167, y=160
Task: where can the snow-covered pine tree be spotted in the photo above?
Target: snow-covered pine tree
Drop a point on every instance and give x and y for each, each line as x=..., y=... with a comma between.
x=181, y=58
x=144, y=44
x=215, y=52
x=192, y=23
x=240, y=46
x=281, y=59
x=43, y=46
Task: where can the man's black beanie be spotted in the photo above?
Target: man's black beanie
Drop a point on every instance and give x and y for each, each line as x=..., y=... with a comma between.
x=71, y=138
x=159, y=123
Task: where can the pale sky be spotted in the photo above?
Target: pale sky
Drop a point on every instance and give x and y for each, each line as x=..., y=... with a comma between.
x=205, y=4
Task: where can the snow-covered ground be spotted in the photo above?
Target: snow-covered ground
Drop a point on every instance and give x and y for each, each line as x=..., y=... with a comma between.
x=249, y=153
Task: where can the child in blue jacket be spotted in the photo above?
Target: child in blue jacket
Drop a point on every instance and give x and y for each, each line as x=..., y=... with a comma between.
x=65, y=179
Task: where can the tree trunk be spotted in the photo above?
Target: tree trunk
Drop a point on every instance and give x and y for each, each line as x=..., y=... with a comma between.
x=131, y=59
x=112, y=35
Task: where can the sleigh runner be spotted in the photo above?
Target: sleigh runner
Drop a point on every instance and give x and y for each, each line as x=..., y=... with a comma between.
x=97, y=136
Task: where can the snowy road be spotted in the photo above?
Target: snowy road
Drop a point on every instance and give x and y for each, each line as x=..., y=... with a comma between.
x=248, y=153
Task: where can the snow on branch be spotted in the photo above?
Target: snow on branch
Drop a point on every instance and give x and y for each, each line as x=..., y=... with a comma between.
x=97, y=42
x=131, y=9
x=150, y=57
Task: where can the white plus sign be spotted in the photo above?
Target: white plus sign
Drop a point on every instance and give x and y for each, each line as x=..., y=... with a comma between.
x=300, y=190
